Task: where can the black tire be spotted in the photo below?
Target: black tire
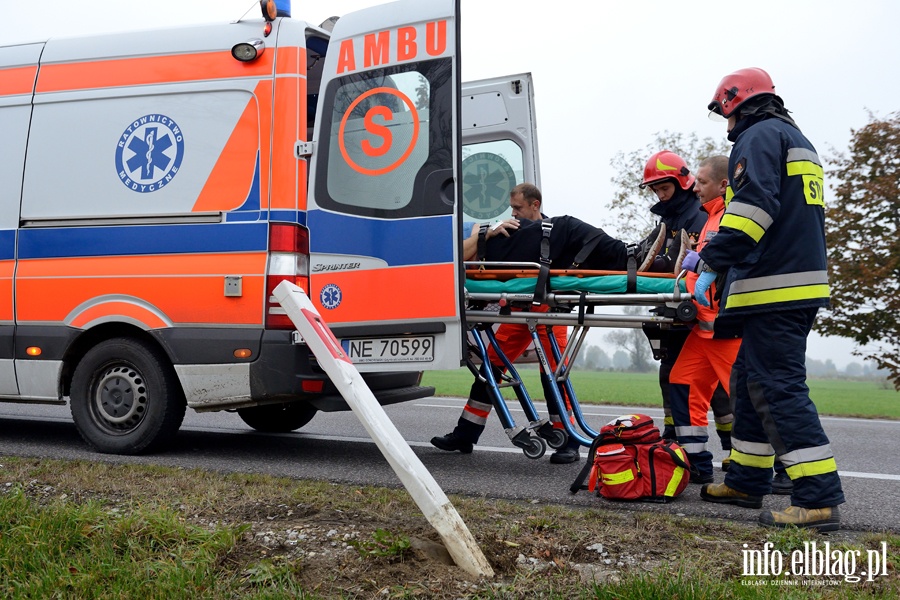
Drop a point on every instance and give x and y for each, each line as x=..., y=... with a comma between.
x=125, y=398
x=535, y=449
x=686, y=311
x=556, y=438
x=277, y=418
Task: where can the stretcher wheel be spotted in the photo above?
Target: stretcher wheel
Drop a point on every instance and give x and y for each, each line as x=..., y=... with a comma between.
x=686, y=311
x=556, y=438
x=535, y=448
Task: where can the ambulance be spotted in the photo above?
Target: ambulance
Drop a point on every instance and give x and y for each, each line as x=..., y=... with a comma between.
x=155, y=186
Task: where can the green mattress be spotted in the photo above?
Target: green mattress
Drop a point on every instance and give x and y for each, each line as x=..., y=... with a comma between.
x=605, y=284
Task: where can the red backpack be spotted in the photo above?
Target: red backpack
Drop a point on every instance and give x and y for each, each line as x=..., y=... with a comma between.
x=631, y=461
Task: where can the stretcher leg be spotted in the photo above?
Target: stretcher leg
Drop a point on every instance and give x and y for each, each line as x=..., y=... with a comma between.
x=563, y=365
x=522, y=437
x=557, y=399
x=555, y=438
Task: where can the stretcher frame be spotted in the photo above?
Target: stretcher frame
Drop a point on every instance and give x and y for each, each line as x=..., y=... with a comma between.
x=666, y=311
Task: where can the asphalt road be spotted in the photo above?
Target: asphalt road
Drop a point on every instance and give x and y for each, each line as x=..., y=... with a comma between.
x=335, y=446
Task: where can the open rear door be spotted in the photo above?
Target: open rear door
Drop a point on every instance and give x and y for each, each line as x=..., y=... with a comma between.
x=382, y=207
x=500, y=148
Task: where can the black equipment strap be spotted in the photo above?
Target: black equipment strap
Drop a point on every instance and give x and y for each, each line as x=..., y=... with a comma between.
x=481, y=250
x=631, y=267
x=543, y=279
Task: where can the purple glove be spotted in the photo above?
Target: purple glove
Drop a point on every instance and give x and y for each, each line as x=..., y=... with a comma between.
x=702, y=286
x=691, y=259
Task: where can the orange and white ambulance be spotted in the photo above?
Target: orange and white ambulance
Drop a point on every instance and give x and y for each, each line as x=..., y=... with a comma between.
x=155, y=186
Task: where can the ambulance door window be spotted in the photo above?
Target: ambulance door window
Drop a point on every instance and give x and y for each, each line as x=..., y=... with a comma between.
x=490, y=170
x=383, y=146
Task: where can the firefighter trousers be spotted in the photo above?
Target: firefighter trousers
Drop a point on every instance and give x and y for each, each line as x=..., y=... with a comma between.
x=773, y=414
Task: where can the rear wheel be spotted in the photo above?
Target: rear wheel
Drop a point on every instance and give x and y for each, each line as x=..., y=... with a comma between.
x=277, y=418
x=125, y=398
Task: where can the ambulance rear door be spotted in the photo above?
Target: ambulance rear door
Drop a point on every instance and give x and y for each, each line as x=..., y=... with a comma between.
x=500, y=148
x=383, y=215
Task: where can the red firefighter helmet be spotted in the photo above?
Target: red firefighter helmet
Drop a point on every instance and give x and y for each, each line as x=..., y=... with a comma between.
x=736, y=88
x=667, y=165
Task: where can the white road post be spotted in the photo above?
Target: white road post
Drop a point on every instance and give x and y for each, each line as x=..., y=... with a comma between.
x=418, y=481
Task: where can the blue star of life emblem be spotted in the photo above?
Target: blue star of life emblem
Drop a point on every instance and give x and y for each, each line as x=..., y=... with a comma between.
x=330, y=296
x=149, y=153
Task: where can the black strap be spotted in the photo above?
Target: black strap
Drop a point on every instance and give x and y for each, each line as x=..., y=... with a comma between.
x=586, y=250
x=578, y=484
x=631, y=268
x=482, y=242
x=543, y=280
x=582, y=303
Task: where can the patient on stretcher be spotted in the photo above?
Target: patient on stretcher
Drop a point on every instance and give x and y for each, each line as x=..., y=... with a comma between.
x=572, y=244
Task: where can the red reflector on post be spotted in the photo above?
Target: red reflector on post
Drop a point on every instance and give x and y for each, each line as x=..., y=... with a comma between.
x=313, y=386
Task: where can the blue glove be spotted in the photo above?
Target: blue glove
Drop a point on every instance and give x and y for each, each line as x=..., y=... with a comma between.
x=691, y=259
x=702, y=286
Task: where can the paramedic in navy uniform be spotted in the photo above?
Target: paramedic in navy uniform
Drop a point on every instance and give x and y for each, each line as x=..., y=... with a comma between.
x=771, y=243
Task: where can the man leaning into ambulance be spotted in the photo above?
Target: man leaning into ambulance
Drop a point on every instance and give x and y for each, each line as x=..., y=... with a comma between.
x=771, y=243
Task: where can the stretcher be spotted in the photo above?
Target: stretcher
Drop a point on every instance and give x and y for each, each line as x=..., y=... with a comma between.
x=497, y=293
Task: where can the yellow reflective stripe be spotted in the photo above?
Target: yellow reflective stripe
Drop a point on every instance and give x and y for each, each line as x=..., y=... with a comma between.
x=753, y=460
x=748, y=226
x=617, y=478
x=668, y=420
x=723, y=427
x=677, y=476
x=789, y=294
x=810, y=469
x=729, y=194
x=805, y=167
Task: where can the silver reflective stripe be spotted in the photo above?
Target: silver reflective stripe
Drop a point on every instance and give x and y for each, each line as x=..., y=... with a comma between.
x=694, y=448
x=755, y=448
x=774, y=282
x=706, y=325
x=754, y=213
x=796, y=154
x=805, y=455
x=690, y=431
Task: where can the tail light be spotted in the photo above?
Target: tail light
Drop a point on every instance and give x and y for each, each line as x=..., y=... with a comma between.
x=288, y=261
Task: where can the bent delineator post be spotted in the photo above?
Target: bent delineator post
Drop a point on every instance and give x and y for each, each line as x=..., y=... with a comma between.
x=418, y=481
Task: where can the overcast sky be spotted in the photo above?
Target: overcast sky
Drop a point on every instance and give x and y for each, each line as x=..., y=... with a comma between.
x=609, y=78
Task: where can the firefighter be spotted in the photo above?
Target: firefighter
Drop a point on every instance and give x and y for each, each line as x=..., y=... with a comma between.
x=771, y=242
x=704, y=363
x=667, y=175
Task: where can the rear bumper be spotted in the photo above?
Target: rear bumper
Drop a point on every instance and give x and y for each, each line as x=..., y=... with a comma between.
x=285, y=372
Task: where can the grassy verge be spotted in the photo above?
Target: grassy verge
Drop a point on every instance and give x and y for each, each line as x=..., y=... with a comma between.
x=832, y=396
x=91, y=530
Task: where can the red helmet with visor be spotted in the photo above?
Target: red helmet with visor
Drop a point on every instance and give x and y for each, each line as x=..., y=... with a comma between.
x=738, y=87
x=667, y=165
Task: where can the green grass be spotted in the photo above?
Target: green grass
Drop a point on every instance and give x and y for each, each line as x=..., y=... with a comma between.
x=832, y=396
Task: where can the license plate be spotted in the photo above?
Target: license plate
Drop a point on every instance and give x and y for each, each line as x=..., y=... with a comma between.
x=384, y=350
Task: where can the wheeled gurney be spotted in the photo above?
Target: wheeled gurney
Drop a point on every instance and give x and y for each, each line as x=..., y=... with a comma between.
x=497, y=293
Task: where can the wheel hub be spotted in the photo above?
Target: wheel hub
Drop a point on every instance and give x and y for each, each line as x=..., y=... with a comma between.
x=121, y=397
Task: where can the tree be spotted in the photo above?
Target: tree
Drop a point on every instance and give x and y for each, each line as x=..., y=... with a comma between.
x=862, y=229
x=633, y=342
x=630, y=205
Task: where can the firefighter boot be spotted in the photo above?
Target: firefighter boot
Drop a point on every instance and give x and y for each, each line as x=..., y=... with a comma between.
x=722, y=494
x=782, y=484
x=567, y=454
x=452, y=442
x=726, y=462
x=821, y=519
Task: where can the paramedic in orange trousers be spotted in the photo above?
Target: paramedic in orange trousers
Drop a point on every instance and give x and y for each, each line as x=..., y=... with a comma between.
x=771, y=244
x=668, y=177
x=525, y=200
x=703, y=362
